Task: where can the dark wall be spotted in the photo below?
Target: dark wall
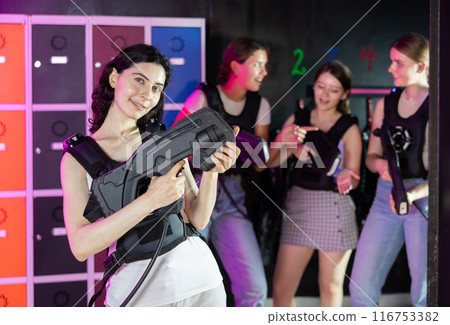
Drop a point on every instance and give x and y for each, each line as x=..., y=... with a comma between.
x=145, y=8
x=312, y=26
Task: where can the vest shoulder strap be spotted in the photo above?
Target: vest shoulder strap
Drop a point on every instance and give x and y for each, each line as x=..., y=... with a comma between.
x=302, y=117
x=341, y=126
x=391, y=102
x=212, y=96
x=88, y=153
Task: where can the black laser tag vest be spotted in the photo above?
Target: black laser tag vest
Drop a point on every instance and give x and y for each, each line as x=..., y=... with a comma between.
x=315, y=179
x=140, y=242
x=246, y=120
x=408, y=135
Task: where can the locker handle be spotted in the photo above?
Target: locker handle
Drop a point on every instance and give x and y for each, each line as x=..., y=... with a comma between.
x=57, y=145
x=59, y=231
x=177, y=61
x=56, y=232
x=3, y=233
x=2, y=146
x=2, y=59
x=59, y=60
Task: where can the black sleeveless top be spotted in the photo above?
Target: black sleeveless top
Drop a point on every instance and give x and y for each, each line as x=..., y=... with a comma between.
x=313, y=179
x=246, y=120
x=408, y=135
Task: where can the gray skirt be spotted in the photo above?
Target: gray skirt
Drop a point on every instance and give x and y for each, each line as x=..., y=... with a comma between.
x=323, y=220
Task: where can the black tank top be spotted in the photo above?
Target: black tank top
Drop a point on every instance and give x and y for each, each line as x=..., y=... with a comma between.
x=246, y=120
x=314, y=180
x=408, y=135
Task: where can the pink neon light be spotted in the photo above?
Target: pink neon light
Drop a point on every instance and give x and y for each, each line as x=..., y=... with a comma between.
x=378, y=91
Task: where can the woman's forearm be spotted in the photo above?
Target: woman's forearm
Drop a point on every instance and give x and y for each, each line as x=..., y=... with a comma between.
x=95, y=237
x=200, y=209
x=418, y=192
x=374, y=162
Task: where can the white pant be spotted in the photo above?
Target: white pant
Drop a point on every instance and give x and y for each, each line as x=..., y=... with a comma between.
x=215, y=297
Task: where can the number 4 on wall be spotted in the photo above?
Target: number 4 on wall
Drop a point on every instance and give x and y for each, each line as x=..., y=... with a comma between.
x=369, y=55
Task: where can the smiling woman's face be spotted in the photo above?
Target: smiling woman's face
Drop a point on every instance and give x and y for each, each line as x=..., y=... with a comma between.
x=138, y=89
x=404, y=70
x=251, y=73
x=328, y=91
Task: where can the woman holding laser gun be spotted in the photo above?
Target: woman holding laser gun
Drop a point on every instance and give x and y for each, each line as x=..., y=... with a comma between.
x=405, y=112
x=129, y=94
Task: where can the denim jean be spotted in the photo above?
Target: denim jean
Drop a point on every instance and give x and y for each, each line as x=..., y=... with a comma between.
x=382, y=237
x=234, y=239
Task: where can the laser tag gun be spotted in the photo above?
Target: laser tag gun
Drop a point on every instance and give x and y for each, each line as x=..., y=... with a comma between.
x=329, y=155
x=199, y=135
x=254, y=149
x=398, y=190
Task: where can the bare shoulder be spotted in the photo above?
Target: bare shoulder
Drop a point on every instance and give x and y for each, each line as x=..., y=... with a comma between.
x=353, y=134
x=378, y=114
x=195, y=101
x=70, y=164
x=72, y=173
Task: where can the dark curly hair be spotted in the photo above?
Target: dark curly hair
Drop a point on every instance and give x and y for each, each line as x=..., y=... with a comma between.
x=103, y=94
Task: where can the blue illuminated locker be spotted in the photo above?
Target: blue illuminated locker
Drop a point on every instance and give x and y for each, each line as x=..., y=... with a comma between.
x=183, y=46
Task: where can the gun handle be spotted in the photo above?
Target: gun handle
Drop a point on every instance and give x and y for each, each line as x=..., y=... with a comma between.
x=402, y=208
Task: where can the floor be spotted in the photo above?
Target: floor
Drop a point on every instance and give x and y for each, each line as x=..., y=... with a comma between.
x=386, y=300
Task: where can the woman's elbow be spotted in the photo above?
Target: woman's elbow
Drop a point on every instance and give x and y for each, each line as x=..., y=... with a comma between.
x=201, y=226
x=79, y=253
x=198, y=223
x=80, y=257
x=370, y=158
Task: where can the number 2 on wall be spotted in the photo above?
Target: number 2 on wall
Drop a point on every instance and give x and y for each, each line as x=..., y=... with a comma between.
x=296, y=71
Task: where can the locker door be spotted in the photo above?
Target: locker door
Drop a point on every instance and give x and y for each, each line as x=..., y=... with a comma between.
x=12, y=237
x=183, y=46
x=12, y=150
x=58, y=64
x=105, y=42
x=169, y=117
x=13, y=295
x=12, y=64
x=50, y=129
x=99, y=259
x=52, y=253
x=60, y=294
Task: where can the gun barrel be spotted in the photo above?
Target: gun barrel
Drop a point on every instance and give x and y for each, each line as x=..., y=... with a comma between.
x=158, y=155
x=398, y=190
